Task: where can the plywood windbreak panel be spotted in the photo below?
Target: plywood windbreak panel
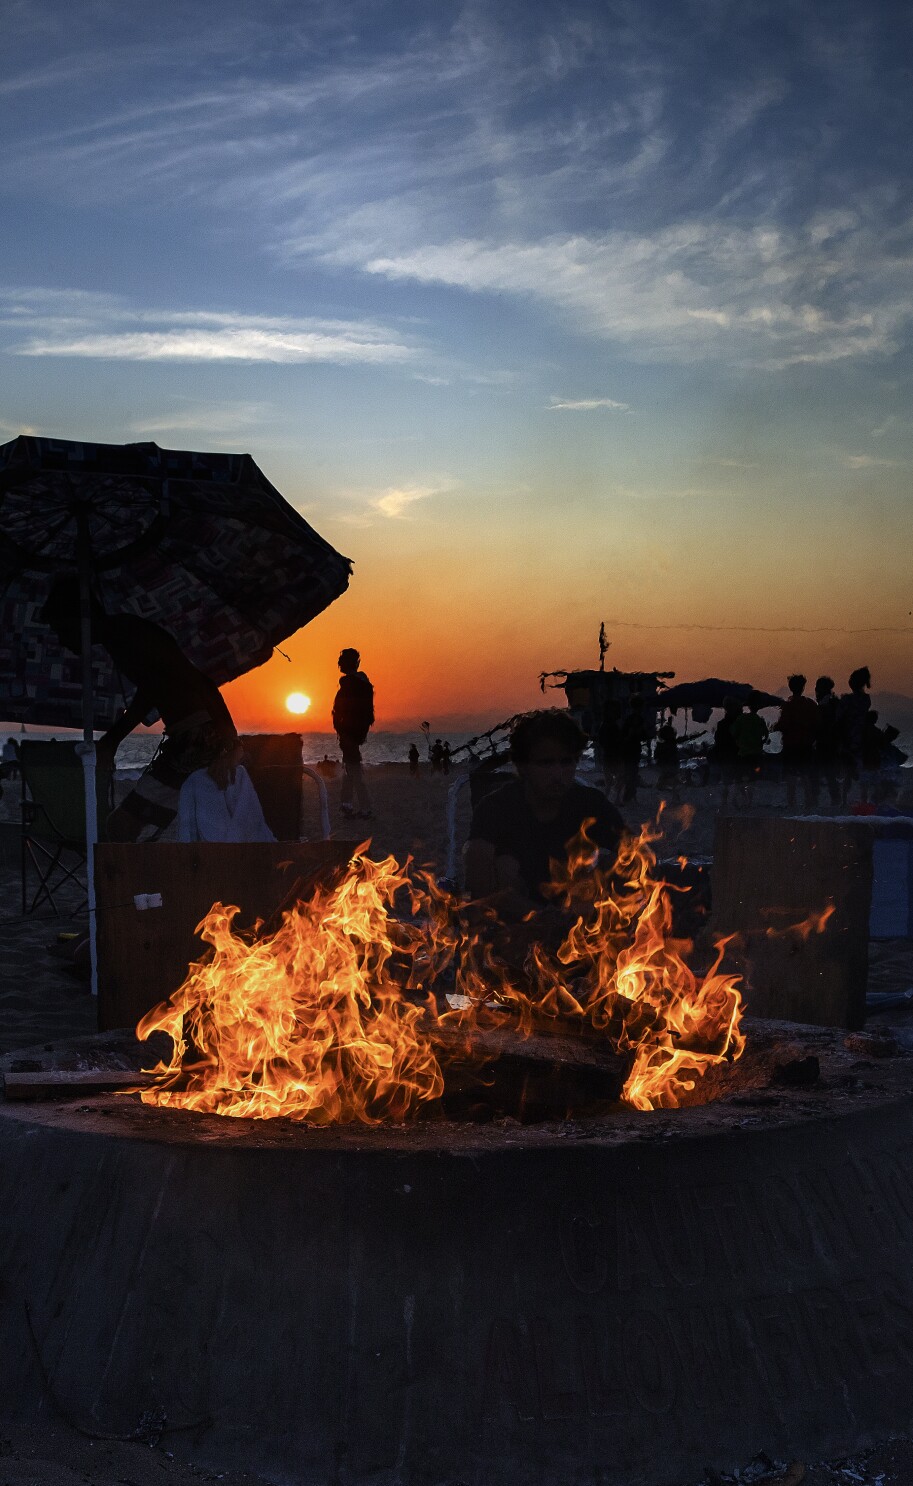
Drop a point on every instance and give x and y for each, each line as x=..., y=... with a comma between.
x=273, y=761
x=772, y=873
x=144, y=952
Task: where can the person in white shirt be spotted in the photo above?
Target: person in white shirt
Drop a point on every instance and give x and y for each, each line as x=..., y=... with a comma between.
x=221, y=804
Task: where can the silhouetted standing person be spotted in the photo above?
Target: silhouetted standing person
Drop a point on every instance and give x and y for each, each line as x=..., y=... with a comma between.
x=633, y=737
x=665, y=756
x=797, y=726
x=608, y=751
x=437, y=756
x=353, y=718
x=413, y=759
x=445, y=758
x=876, y=743
x=750, y=732
x=725, y=749
x=827, y=740
x=851, y=715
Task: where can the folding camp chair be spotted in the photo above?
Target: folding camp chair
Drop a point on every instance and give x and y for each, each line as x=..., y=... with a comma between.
x=53, y=822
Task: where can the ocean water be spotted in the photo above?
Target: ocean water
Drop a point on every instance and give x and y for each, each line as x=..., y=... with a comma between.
x=381, y=748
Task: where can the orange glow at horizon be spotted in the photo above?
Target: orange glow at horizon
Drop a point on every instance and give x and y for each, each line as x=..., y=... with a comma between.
x=462, y=643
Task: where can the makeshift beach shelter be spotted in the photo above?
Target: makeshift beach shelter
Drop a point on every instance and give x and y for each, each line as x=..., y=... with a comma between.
x=201, y=544
x=712, y=692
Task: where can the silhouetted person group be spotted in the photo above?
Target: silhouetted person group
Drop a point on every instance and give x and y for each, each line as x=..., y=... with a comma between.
x=440, y=757
x=828, y=741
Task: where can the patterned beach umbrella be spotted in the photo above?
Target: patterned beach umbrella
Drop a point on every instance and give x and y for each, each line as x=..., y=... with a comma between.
x=201, y=544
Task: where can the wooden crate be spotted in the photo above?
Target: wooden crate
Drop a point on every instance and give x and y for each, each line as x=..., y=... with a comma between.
x=772, y=872
x=143, y=954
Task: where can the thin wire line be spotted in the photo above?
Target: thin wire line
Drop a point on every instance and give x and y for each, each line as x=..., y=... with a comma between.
x=768, y=629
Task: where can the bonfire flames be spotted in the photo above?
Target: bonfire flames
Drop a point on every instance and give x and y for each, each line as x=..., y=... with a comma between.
x=339, y=1014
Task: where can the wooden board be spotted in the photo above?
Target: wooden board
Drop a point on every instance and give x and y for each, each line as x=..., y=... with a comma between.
x=143, y=954
x=63, y=1083
x=273, y=761
x=770, y=872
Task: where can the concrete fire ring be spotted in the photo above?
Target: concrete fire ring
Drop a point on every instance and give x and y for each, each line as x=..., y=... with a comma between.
x=615, y=1301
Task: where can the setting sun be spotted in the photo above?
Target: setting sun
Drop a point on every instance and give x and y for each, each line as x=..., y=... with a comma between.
x=297, y=702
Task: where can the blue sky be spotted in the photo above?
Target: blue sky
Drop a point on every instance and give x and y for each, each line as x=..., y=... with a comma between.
x=543, y=313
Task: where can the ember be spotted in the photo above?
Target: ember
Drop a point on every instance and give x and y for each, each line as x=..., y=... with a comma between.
x=338, y=1014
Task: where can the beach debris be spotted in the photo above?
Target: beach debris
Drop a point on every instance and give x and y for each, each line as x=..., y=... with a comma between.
x=798, y=1073
x=871, y=1044
x=338, y=1012
x=144, y=901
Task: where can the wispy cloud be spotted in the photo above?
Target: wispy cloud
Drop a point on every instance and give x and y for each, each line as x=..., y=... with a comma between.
x=764, y=295
x=394, y=502
x=645, y=493
x=398, y=499
x=587, y=405
x=870, y=461
x=237, y=344
x=101, y=327
x=211, y=418
x=600, y=163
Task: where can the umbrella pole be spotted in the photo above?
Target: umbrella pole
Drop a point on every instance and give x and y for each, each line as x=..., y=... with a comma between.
x=86, y=749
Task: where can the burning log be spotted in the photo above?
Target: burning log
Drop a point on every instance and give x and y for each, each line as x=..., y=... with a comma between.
x=490, y=1071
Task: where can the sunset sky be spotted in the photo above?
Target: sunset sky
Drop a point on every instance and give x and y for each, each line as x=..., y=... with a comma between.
x=544, y=314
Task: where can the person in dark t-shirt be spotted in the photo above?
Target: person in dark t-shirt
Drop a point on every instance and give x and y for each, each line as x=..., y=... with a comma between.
x=797, y=726
x=518, y=830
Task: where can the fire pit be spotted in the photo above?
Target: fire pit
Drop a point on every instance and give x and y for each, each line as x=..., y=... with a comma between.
x=616, y=1298
x=356, y=1286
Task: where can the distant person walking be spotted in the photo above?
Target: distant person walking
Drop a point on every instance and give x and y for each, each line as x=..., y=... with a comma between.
x=353, y=718
x=827, y=740
x=413, y=759
x=797, y=726
x=750, y=733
